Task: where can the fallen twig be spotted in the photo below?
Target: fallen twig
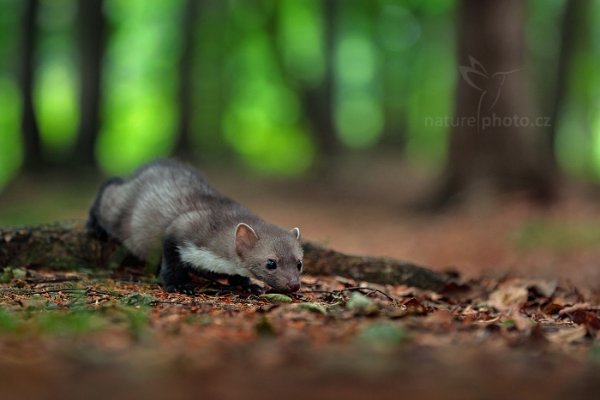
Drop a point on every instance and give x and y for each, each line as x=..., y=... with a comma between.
x=67, y=246
x=352, y=289
x=88, y=291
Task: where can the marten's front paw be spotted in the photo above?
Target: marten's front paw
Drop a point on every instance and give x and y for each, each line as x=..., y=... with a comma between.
x=185, y=288
x=246, y=284
x=255, y=289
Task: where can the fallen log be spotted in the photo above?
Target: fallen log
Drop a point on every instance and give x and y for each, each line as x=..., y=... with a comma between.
x=66, y=245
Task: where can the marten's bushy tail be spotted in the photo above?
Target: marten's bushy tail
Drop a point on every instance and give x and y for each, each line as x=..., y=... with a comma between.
x=93, y=224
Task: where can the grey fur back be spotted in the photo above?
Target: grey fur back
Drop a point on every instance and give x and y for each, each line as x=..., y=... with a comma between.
x=139, y=210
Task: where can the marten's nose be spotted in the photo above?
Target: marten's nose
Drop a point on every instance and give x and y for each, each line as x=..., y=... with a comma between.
x=293, y=286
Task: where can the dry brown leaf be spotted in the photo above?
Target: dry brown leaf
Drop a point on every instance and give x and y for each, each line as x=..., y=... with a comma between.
x=544, y=288
x=577, y=307
x=469, y=310
x=568, y=335
x=587, y=318
x=551, y=308
x=402, y=291
x=414, y=307
x=436, y=318
x=486, y=322
x=508, y=296
x=308, y=280
x=522, y=323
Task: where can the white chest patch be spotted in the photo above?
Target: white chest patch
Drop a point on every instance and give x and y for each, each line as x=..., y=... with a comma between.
x=206, y=260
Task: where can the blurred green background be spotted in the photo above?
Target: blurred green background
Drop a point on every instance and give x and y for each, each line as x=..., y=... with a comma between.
x=276, y=86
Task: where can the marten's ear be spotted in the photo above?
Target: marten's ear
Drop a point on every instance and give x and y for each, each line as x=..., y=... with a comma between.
x=245, y=237
x=296, y=233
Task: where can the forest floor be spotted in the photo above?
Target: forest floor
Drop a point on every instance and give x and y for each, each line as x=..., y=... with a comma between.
x=522, y=322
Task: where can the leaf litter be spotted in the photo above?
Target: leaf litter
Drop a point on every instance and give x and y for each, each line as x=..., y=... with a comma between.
x=330, y=317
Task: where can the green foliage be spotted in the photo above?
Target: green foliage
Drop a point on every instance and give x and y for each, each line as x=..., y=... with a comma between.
x=10, y=98
x=509, y=323
x=578, y=135
x=361, y=304
x=8, y=323
x=300, y=39
x=139, y=299
x=393, y=65
x=262, y=122
x=557, y=236
x=264, y=327
x=397, y=27
x=594, y=354
x=45, y=321
x=313, y=307
x=383, y=335
x=68, y=322
x=139, y=104
x=56, y=100
x=430, y=92
x=10, y=273
x=208, y=94
x=10, y=149
x=40, y=316
x=137, y=321
x=276, y=298
x=358, y=111
x=55, y=96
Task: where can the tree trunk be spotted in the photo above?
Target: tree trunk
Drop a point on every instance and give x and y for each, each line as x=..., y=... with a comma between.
x=319, y=102
x=30, y=130
x=91, y=30
x=489, y=147
x=184, y=145
x=68, y=246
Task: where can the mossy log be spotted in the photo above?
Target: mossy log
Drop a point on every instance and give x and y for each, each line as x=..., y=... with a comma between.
x=66, y=245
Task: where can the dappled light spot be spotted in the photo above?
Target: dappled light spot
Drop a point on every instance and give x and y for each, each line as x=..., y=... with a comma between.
x=56, y=103
x=398, y=28
x=355, y=60
x=56, y=97
x=359, y=120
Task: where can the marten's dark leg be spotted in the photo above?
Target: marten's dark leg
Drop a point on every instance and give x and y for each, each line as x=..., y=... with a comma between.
x=174, y=274
x=93, y=224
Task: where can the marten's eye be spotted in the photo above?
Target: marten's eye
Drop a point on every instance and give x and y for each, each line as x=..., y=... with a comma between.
x=299, y=265
x=271, y=264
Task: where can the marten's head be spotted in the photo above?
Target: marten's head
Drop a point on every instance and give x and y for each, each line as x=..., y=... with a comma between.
x=271, y=254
